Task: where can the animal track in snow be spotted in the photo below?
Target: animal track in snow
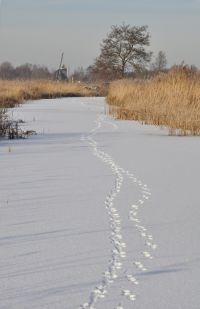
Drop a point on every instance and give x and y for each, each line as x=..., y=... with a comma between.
x=134, y=217
x=118, y=246
x=118, y=252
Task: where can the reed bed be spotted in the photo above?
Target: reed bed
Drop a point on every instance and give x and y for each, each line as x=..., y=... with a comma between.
x=16, y=92
x=169, y=100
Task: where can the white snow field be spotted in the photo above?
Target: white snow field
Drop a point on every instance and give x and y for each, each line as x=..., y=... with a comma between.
x=97, y=213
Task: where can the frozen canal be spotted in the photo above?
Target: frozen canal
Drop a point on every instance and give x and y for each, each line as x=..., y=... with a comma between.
x=97, y=213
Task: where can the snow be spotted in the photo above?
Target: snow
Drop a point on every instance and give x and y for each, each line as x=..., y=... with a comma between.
x=97, y=212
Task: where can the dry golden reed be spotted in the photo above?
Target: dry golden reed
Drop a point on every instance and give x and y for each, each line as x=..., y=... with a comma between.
x=17, y=91
x=170, y=100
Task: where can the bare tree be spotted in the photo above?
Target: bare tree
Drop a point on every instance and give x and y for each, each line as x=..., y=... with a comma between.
x=122, y=51
x=23, y=71
x=80, y=74
x=160, y=62
x=7, y=71
x=41, y=72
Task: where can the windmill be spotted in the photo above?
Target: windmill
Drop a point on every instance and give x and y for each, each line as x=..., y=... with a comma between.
x=61, y=72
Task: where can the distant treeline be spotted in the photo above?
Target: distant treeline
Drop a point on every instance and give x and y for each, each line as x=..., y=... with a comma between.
x=124, y=53
x=29, y=71
x=24, y=71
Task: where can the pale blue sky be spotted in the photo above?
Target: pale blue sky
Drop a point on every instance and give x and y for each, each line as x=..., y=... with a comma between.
x=37, y=31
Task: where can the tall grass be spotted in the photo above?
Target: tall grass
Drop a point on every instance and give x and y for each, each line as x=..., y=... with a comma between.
x=15, y=92
x=170, y=100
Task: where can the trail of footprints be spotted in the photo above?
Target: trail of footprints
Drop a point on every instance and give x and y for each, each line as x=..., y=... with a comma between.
x=118, y=246
x=149, y=244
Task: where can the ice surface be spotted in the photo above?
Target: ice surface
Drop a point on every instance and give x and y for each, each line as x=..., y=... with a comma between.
x=97, y=212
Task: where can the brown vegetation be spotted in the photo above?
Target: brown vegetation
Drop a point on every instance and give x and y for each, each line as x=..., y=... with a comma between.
x=170, y=100
x=16, y=92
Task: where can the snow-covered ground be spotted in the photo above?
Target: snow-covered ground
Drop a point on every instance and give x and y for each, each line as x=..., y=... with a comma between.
x=98, y=213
